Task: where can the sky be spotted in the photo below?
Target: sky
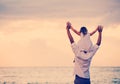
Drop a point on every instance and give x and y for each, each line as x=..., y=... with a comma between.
x=32, y=32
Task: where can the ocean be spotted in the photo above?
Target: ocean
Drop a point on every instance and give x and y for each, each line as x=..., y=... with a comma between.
x=56, y=75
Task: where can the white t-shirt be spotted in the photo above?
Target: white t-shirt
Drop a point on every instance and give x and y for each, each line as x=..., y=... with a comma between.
x=83, y=60
x=85, y=42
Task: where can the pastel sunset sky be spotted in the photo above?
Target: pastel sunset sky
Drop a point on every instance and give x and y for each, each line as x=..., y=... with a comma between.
x=32, y=32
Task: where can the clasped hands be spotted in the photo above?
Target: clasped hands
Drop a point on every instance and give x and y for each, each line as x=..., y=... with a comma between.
x=68, y=25
x=100, y=28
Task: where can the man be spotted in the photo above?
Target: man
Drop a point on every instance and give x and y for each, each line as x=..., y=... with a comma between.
x=83, y=53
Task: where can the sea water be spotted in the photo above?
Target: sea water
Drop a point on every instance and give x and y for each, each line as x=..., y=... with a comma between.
x=56, y=75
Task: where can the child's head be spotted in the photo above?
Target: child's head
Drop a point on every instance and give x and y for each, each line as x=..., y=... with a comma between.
x=83, y=30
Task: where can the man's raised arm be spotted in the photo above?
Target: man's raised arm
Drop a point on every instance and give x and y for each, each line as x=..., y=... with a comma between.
x=69, y=34
x=100, y=28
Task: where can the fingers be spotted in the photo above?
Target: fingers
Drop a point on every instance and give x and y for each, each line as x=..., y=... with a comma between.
x=100, y=28
x=68, y=25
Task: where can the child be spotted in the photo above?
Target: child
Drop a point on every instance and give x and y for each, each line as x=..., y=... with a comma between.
x=85, y=37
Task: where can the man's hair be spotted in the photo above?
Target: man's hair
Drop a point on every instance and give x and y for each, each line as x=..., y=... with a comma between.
x=83, y=30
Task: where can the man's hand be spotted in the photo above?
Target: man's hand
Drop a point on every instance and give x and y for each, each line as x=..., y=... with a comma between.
x=100, y=28
x=68, y=32
x=68, y=25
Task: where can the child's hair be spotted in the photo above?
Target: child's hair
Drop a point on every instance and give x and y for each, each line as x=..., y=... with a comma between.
x=83, y=30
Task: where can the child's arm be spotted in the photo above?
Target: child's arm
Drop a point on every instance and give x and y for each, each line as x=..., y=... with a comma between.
x=94, y=31
x=74, y=30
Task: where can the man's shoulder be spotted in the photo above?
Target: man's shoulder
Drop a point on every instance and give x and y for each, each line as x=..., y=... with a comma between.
x=95, y=46
x=73, y=44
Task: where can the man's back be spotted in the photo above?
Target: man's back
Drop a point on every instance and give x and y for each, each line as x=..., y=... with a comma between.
x=83, y=60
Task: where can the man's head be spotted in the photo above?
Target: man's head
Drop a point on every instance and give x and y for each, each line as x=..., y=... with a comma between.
x=83, y=30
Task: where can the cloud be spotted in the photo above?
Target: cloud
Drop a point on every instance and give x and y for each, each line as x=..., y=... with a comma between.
x=112, y=19
x=54, y=8
x=107, y=10
x=111, y=16
x=2, y=7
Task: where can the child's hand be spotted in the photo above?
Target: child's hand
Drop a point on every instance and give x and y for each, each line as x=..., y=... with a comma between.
x=100, y=28
x=68, y=25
